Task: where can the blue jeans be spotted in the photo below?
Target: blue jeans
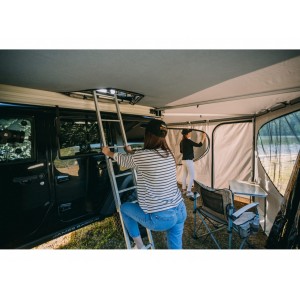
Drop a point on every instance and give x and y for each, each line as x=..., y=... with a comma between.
x=170, y=220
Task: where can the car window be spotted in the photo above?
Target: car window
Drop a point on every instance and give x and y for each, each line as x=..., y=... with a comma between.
x=78, y=137
x=15, y=139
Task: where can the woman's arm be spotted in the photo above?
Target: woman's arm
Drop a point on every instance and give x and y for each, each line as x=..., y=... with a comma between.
x=194, y=144
x=203, y=138
x=198, y=144
x=124, y=160
x=107, y=152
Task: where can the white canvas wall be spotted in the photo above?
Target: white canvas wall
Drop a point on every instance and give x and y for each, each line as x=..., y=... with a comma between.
x=232, y=153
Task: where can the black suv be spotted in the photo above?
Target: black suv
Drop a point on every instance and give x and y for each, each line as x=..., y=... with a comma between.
x=53, y=176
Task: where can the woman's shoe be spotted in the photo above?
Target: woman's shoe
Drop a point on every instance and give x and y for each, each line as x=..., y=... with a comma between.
x=190, y=194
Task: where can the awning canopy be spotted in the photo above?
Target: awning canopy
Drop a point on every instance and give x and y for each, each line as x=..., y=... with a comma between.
x=187, y=85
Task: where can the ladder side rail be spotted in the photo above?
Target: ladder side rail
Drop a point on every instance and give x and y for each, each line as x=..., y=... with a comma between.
x=134, y=175
x=123, y=132
x=117, y=199
x=121, y=120
x=150, y=238
x=111, y=172
x=100, y=125
x=108, y=160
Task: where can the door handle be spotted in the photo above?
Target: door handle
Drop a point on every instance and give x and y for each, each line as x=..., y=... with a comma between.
x=62, y=178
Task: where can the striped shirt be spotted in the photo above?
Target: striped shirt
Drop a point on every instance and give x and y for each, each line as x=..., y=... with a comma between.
x=157, y=188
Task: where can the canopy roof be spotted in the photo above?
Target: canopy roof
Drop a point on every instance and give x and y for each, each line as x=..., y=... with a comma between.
x=187, y=85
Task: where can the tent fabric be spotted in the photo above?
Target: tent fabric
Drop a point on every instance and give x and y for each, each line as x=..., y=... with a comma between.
x=273, y=78
x=244, y=95
x=164, y=76
x=285, y=232
x=232, y=153
x=232, y=145
x=202, y=166
x=278, y=144
x=226, y=110
x=228, y=162
x=274, y=198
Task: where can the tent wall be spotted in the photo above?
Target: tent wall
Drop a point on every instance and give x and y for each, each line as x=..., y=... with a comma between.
x=232, y=153
x=229, y=157
x=275, y=198
x=232, y=156
x=202, y=166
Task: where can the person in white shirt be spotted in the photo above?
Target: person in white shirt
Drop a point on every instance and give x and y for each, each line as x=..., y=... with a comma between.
x=160, y=204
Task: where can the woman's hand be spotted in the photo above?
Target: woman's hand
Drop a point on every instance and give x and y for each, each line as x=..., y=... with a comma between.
x=203, y=138
x=128, y=149
x=106, y=151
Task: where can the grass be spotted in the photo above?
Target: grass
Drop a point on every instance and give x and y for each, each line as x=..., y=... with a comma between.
x=100, y=235
x=108, y=234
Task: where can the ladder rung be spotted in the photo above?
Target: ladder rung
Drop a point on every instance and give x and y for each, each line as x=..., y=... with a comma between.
x=116, y=146
x=128, y=189
x=124, y=174
x=109, y=120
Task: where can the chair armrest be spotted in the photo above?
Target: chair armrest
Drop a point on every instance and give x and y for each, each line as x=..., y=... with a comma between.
x=244, y=208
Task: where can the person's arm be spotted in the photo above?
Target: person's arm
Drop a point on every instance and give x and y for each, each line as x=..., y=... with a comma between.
x=194, y=144
x=128, y=149
x=106, y=151
x=198, y=144
x=203, y=138
x=124, y=160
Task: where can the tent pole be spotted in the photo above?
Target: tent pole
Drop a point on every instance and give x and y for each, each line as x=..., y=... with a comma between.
x=253, y=149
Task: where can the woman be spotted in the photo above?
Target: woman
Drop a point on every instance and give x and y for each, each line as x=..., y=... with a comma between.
x=187, y=150
x=160, y=204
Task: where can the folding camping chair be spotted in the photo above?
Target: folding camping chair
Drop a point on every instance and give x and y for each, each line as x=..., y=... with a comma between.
x=217, y=212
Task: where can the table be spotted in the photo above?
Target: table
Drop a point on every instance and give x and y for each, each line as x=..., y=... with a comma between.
x=250, y=189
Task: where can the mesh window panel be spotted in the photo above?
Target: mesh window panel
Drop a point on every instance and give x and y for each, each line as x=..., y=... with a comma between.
x=278, y=144
x=212, y=200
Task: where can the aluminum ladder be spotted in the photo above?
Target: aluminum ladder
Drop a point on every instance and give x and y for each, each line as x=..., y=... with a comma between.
x=110, y=168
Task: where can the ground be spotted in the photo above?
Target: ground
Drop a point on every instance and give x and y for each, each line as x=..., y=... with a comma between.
x=108, y=235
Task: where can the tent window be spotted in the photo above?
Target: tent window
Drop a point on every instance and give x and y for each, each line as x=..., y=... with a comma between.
x=15, y=140
x=278, y=144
